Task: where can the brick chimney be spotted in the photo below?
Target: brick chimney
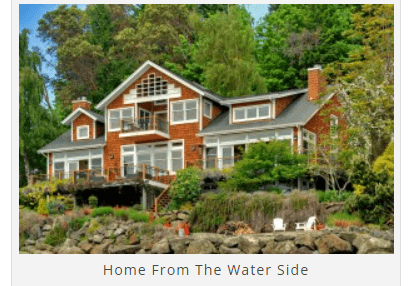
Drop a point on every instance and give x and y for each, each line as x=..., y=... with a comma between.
x=316, y=82
x=81, y=102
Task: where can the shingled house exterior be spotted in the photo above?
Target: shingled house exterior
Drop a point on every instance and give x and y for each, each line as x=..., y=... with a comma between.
x=158, y=120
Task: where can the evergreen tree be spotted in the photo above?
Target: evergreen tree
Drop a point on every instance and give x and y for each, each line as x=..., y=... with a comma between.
x=225, y=51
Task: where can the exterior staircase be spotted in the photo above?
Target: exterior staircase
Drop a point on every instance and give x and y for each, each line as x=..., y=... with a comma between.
x=162, y=200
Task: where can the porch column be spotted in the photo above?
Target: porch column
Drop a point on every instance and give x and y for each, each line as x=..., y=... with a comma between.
x=144, y=200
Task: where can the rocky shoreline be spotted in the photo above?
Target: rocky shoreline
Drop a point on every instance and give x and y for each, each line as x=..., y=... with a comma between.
x=128, y=237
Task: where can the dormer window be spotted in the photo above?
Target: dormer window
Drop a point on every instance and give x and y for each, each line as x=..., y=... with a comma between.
x=254, y=112
x=82, y=132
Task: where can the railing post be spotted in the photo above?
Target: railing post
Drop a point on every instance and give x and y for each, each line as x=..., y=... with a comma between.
x=73, y=177
x=156, y=206
x=143, y=171
x=31, y=179
x=59, y=175
x=87, y=181
x=157, y=173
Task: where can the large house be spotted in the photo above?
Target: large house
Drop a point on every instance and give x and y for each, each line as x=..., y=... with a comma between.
x=156, y=122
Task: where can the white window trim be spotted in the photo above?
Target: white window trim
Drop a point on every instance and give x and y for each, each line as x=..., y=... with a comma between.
x=211, y=108
x=172, y=122
x=78, y=132
x=120, y=117
x=245, y=112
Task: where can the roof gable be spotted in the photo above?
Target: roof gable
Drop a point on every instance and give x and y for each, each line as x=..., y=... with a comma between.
x=137, y=74
x=77, y=112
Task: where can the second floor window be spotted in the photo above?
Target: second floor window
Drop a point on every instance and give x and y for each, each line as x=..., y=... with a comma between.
x=251, y=113
x=184, y=111
x=82, y=132
x=116, y=115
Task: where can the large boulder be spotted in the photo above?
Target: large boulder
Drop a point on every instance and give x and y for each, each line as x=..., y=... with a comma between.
x=227, y=250
x=306, y=240
x=232, y=241
x=123, y=249
x=134, y=239
x=161, y=247
x=301, y=250
x=367, y=244
x=286, y=236
x=216, y=239
x=279, y=247
x=69, y=247
x=119, y=231
x=147, y=243
x=179, y=246
x=201, y=246
x=331, y=243
x=249, y=245
x=100, y=249
x=98, y=238
x=85, y=246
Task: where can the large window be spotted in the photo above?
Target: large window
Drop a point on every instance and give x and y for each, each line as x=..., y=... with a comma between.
x=184, y=111
x=165, y=156
x=83, y=132
x=59, y=168
x=309, y=142
x=116, y=115
x=70, y=161
x=255, y=112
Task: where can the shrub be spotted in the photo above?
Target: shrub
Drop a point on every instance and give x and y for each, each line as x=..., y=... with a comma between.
x=92, y=201
x=42, y=207
x=137, y=207
x=122, y=213
x=93, y=226
x=385, y=162
x=139, y=216
x=186, y=188
x=69, y=203
x=264, y=164
x=332, y=196
x=343, y=219
x=78, y=222
x=55, y=207
x=101, y=211
x=56, y=236
x=275, y=190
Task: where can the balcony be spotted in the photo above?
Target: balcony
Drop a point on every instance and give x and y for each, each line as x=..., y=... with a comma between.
x=152, y=128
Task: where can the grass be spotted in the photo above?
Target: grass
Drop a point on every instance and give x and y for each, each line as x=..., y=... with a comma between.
x=332, y=196
x=343, y=219
x=101, y=211
x=78, y=222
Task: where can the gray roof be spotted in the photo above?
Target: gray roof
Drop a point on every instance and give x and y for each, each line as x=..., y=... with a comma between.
x=298, y=112
x=63, y=142
x=100, y=117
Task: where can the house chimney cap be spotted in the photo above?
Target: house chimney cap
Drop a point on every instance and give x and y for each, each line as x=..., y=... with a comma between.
x=315, y=67
x=81, y=99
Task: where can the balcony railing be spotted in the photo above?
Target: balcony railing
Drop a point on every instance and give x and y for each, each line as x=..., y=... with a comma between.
x=124, y=173
x=214, y=162
x=153, y=123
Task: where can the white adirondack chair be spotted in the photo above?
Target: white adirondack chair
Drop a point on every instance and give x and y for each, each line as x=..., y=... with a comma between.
x=306, y=225
x=278, y=224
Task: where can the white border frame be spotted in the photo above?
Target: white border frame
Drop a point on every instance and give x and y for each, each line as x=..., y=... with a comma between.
x=251, y=106
x=120, y=117
x=211, y=108
x=172, y=122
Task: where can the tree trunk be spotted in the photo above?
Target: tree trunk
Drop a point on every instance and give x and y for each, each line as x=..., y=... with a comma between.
x=26, y=166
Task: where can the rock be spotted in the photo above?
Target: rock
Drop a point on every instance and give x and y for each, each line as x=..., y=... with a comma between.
x=108, y=241
x=69, y=242
x=29, y=242
x=279, y=247
x=161, y=247
x=112, y=226
x=35, y=232
x=301, y=250
x=232, y=241
x=348, y=236
x=121, y=239
x=142, y=251
x=85, y=246
x=249, y=245
x=388, y=236
x=226, y=250
x=123, y=249
x=285, y=236
x=178, y=246
x=201, y=246
x=367, y=244
x=182, y=216
x=306, y=240
x=377, y=233
x=97, y=238
x=216, y=239
x=147, y=243
x=134, y=239
x=43, y=246
x=70, y=250
x=119, y=231
x=76, y=236
x=47, y=227
x=331, y=243
x=100, y=249
x=108, y=233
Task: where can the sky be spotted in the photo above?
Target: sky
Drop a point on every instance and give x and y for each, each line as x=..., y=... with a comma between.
x=29, y=14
